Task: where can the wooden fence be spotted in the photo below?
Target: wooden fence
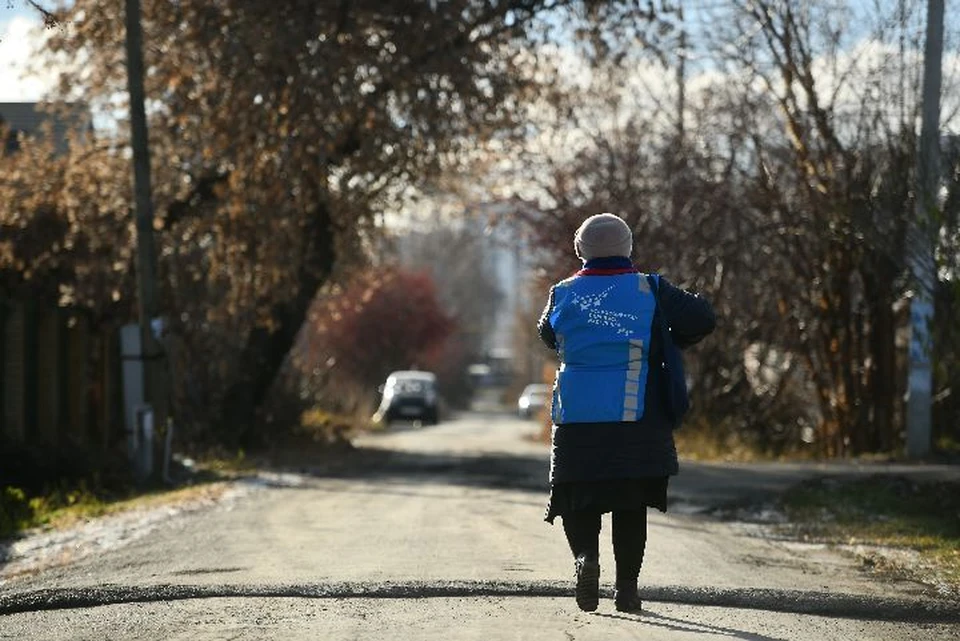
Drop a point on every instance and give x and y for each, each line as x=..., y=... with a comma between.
x=60, y=384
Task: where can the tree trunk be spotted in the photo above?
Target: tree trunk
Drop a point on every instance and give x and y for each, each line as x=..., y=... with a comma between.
x=882, y=376
x=265, y=350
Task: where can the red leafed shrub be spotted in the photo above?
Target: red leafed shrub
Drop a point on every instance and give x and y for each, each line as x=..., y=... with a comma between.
x=383, y=321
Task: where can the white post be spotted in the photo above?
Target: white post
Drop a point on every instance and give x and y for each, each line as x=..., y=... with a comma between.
x=145, y=441
x=133, y=385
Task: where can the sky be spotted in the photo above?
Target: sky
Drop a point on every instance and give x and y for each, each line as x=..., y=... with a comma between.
x=20, y=32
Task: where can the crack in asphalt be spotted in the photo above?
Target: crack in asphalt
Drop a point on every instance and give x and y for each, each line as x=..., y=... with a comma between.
x=829, y=604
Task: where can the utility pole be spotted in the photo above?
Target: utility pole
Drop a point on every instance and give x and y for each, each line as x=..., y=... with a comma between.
x=920, y=244
x=150, y=352
x=677, y=166
x=681, y=77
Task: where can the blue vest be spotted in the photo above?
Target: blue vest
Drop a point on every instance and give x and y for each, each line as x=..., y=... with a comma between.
x=603, y=325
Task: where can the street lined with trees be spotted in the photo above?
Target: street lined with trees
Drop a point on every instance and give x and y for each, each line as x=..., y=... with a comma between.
x=327, y=182
x=778, y=177
x=764, y=152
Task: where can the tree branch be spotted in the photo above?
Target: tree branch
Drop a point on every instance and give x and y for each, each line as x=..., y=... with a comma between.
x=50, y=17
x=204, y=191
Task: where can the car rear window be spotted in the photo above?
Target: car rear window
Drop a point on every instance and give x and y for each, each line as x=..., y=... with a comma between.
x=411, y=386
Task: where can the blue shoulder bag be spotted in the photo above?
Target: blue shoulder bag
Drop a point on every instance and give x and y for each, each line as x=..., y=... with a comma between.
x=677, y=400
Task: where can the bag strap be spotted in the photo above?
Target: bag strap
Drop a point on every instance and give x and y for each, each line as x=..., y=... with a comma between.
x=665, y=335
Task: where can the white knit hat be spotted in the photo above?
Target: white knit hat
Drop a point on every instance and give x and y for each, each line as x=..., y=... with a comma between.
x=603, y=235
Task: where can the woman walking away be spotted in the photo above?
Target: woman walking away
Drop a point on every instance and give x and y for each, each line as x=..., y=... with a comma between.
x=613, y=448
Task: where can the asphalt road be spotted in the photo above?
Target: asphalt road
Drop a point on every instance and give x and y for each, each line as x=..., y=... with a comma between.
x=437, y=532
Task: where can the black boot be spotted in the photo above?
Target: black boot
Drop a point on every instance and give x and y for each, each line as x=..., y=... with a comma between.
x=588, y=582
x=626, y=598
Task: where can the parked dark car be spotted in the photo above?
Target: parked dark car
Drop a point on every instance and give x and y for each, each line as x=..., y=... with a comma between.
x=534, y=398
x=410, y=395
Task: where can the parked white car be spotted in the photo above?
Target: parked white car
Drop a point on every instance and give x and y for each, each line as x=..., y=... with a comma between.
x=534, y=398
x=410, y=395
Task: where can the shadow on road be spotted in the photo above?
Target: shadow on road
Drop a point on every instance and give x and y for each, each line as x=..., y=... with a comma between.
x=681, y=625
x=483, y=470
x=700, y=488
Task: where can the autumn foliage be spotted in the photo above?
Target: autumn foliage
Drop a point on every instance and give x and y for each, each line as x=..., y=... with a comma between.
x=65, y=229
x=278, y=134
x=382, y=320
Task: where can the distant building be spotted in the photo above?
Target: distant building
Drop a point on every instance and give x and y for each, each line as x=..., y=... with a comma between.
x=33, y=119
x=501, y=251
x=509, y=257
x=513, y=350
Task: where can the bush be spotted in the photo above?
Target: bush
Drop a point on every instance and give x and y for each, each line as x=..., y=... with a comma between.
x=16, y=510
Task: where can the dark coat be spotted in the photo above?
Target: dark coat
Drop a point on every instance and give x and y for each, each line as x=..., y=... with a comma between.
x=626, y=450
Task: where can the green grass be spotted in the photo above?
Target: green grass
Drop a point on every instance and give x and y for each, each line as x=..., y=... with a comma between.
x=63, y=508
x=65, y=502
x=701, y=440
x=20, y=511
x=892, y=512
x=947, y=446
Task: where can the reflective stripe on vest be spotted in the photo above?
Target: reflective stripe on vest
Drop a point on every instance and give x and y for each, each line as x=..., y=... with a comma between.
x=603, y=327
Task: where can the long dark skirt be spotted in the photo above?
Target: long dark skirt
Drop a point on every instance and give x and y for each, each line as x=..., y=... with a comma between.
x=607, y=496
